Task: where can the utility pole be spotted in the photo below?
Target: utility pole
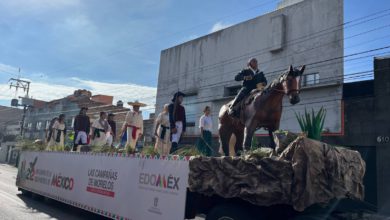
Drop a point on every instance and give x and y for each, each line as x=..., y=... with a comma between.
x=25, y=85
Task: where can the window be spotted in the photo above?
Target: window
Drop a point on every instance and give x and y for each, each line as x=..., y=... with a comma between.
x=38, y=126
x=232, y=91
x=190, y=104
x=29, y=126
x=69, y=122
x=47, y=125
x=311, y=79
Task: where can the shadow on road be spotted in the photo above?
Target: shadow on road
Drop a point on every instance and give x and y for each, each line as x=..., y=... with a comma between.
x=56, y=209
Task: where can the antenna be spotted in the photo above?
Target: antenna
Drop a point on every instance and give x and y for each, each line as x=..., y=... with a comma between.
x=25, y=85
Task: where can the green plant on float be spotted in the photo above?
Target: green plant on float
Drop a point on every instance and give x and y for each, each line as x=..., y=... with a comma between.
x=130, y=150
x=70, y=135
x=312, y=123
x=149, y=150
x=103, y=149
x=29, y=145
x=188, y=150
x=57, y=148
x=255, y=143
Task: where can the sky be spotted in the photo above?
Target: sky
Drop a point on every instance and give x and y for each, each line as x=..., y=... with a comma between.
x=113, y=47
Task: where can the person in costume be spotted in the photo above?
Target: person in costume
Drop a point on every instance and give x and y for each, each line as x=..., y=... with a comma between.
x=100, y=127
x=206, y=127
x=50, y=130
x=162, y=132
x=57, y=137
x=134, y=125
x=252, y=78
x=177, y=119
x=81, y=128
x=112, y=133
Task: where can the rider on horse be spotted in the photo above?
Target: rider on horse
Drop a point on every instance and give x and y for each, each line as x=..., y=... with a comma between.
x=251, y=77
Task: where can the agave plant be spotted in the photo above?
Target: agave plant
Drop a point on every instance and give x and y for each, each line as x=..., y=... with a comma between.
x=312, y=124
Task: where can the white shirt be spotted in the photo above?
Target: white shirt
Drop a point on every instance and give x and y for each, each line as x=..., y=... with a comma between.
x=206, y=123
x=254, y=71
x=135, y=119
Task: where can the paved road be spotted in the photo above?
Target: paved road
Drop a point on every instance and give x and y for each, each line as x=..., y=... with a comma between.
x=15, y=206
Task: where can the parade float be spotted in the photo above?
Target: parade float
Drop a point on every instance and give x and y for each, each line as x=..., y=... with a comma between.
x=300, y=174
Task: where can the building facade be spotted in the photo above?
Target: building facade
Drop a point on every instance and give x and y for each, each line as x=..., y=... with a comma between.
x=10, y=121
x=204, y=68
x=38, y=117
x=367, y=130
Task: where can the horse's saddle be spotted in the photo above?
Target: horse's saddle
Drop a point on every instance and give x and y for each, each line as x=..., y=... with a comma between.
x=248, y=100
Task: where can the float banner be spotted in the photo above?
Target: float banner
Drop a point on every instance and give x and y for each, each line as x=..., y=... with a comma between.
x=118, y=186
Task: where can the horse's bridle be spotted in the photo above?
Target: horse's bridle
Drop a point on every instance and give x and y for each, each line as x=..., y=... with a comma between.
x=293, y=90
x=289, y=91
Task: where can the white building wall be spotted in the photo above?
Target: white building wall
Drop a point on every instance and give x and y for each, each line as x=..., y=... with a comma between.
x=303, y=33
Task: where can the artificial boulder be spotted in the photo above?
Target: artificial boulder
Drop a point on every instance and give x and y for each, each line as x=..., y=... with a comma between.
x=306, y=172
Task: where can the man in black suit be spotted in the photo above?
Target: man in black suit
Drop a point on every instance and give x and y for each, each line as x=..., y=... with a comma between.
x=81, y=128
x=250, y=76
x=177, y=119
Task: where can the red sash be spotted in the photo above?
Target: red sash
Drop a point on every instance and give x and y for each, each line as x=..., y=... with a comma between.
x=134, y=131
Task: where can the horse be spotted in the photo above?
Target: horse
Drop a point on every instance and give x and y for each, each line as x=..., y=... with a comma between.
x=263, y=111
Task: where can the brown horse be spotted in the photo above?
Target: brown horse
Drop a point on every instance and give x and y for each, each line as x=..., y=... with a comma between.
x=264, y=111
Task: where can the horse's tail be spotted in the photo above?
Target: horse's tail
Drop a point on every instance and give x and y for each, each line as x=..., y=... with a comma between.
x=225, y=128
x=223, y=114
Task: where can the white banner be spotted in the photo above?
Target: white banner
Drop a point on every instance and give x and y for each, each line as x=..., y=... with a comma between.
x=117, y=186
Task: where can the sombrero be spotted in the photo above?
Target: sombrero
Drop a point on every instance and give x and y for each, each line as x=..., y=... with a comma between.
x=137, y=103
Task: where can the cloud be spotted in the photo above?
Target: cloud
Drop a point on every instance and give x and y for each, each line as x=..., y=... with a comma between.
x=38, y=5
x=219, y=26
x=121, y=91
x=8, y=69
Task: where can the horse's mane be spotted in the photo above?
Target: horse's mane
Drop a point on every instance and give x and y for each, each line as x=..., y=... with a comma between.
x=275, y=82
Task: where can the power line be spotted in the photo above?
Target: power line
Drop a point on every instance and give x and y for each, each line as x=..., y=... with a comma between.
x=359, y=34
x=376, y=16
x=344, y=24
x=154, y=108
x=306, y=103
x=313, y=98
x=236, y=70
x=361, y=74
x=291, y=42
x=153, y=40
x=307, y=64
x=316, y=47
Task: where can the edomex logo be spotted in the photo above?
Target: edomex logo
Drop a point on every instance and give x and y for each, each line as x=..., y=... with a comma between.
x=159, y=180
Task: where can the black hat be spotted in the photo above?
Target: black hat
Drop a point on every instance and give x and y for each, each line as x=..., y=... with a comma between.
x=177, y=94
x=82, y=108
x=111, y=114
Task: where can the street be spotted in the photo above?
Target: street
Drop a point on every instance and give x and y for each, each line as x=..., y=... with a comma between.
x=16, y=206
